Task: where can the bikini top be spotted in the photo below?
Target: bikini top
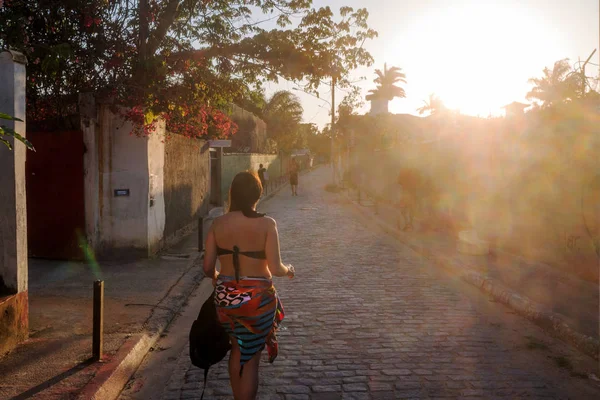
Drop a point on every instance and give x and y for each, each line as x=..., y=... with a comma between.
x=259, y=255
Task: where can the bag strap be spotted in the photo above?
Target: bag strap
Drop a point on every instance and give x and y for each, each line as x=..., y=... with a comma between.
x=204, y=388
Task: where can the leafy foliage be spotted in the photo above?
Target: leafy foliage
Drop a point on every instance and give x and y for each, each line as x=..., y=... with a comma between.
x=558, y=85
x=386, y=84
x=5, y=131
x=186, y=60
x=319, y=143
x=283, y=114
x=435, y=105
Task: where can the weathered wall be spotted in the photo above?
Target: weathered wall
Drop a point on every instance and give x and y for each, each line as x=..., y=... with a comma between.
x=156, y=190
x=168, y=182
x=13, y=212
x=14, y=314
x=251, y=136
x=186, y=184
x=235, y=162
x=91, y=167
x=124, y=165
x=131, y=225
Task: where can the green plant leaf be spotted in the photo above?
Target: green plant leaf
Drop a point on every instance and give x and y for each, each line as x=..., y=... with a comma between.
x=9, y=118
x=6, y=143
x=4, y=131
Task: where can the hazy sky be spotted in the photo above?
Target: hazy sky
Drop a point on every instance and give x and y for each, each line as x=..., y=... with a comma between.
x=476, y=55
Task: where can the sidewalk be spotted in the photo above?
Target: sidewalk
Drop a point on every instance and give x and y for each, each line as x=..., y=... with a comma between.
x=140, y=300
x=563, y=304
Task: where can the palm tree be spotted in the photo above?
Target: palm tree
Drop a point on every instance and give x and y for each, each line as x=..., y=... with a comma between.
x=559, y=85
x=433, y=106
x=283, y=104
x=283, y=114
x=386, y=84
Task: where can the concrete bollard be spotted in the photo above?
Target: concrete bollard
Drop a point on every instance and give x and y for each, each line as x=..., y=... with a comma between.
x=98, y=321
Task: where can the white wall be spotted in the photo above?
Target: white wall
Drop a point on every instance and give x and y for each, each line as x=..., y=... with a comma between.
x=91, y=168
x=117, y=160
x=156, y=192
x=379, y=106
x=13, y=205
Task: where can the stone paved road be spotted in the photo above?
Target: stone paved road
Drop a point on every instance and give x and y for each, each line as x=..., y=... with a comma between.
x=367, y=318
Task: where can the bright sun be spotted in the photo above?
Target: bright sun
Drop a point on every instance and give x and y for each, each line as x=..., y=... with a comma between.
x=473, y=56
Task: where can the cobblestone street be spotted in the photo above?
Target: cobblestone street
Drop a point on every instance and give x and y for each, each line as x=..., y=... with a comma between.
x=368, y=318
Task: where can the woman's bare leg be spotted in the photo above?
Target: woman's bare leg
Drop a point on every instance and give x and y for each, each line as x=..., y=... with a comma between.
x=244, y=387
x=248, y=385
x=234, y=367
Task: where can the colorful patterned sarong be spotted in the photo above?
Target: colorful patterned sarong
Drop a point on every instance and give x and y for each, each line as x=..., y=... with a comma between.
x=250, y=311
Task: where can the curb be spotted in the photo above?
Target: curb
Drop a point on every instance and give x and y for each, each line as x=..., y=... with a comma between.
x=113, y=375
x=549, y=321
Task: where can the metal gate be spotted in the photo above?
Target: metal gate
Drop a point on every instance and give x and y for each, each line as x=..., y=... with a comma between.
x=55, y=195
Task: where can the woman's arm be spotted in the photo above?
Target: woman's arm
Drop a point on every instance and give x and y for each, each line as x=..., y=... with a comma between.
x=210, y=255
x=273, y=253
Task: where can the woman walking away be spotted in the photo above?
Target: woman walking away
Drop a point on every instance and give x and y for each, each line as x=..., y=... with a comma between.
x=247, y=245
x=294, y=176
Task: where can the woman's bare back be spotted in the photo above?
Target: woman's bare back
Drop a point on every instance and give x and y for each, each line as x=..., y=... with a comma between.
x=248, y=234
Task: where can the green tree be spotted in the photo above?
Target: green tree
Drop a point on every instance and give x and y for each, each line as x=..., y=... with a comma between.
x=319, y=143
x=186, y=60
x=283, y=114
x=434, y=105
x=347, y=114
x=387, y=81
x=557, y=86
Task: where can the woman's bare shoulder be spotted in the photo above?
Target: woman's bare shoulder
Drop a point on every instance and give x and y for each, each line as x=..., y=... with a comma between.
x=221, y=219
x=269, y=221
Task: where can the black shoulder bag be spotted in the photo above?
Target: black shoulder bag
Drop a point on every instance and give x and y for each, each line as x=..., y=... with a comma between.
x=209, y=342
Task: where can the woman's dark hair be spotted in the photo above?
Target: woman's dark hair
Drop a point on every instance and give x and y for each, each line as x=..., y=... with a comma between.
x=244, y=192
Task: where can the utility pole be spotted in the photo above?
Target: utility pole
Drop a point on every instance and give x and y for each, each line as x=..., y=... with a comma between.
x=583, y=78
x=332, y=126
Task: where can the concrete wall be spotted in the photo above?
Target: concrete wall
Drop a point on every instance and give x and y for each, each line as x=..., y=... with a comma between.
x=236, y=162
x=14, y=312
x=91, y=167
x=116, y=160
x=251, y=134
x=124, y=165
x=186, y=184
x=379, y=106
x=168, y=183
x=156, y=189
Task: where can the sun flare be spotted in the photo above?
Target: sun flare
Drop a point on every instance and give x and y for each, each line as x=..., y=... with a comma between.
x=473, y=56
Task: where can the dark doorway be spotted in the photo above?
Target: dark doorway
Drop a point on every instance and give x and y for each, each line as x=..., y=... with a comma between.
x=55, y=195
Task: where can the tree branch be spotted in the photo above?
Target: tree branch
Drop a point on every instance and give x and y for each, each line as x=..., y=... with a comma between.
x=166, y=20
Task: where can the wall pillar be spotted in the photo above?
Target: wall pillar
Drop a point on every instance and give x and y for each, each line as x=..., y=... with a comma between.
x=222, y=194
x=91, y=167
x=14, y=315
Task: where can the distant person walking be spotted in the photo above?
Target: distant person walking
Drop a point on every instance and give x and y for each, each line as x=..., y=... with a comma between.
x=294, y=169
x=408, y=178
x=263, y=176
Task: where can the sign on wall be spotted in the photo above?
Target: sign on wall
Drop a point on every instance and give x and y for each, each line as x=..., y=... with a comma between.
x=220, y=143
x=121, y=192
